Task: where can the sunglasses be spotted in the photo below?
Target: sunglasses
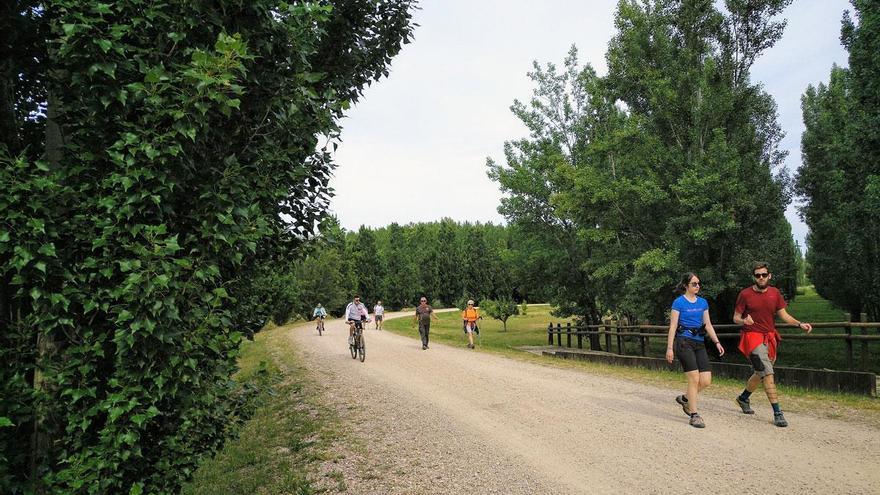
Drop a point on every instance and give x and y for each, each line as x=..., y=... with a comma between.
x=761, y=275
x=695, y=284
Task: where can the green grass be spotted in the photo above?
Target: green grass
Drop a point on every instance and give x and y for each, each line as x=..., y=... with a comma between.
x=522, y=330
x=279, y=448
x=829, y=354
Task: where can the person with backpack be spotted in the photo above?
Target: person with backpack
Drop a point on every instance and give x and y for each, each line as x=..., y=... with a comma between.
x=469, y=318
x=689, y=326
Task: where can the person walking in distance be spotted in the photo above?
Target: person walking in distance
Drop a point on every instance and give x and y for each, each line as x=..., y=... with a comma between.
x=423, y=315
x=756, y=309
x=689, y=326
x=379, y=314
x=469, y=319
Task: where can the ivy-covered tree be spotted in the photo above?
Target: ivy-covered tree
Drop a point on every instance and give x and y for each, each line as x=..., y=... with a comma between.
x=157, y=160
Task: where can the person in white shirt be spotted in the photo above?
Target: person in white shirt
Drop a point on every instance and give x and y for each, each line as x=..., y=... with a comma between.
x=379, y=314
x=354, y=315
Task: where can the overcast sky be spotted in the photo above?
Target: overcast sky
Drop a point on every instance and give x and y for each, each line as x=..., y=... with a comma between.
x=414, y=148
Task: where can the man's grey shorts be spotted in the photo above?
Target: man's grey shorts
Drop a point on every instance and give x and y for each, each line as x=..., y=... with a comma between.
x=760, y=360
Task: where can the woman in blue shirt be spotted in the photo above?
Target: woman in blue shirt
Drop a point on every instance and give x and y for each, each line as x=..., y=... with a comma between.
x=689, y=326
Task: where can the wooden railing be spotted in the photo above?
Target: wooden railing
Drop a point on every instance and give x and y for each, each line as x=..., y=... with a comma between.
x=854, y=332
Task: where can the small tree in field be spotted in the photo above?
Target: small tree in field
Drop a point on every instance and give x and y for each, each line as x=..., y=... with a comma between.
x=500, y=310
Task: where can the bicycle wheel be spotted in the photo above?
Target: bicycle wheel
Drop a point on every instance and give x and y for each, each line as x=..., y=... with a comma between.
x=320, y=327
x=362, y=349
x=353, y=346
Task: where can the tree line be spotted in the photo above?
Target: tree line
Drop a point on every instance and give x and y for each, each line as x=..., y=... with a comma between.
x=446, y=261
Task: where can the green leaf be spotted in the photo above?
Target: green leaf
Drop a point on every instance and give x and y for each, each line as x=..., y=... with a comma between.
x=4, y=421
x=101, y=8
x=47, y=249
x=105, y=45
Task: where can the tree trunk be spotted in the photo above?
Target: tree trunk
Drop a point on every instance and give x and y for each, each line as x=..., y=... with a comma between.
x=46, y=346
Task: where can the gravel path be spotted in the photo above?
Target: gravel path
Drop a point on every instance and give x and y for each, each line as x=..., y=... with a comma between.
x=452, y=420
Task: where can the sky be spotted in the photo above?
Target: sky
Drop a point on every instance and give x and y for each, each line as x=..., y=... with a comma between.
x=414, y=148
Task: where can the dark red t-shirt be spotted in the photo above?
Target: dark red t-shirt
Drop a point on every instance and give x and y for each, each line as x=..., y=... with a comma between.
x=762, y=306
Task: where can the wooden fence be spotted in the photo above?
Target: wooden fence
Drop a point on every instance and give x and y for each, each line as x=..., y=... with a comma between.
x=855, y=333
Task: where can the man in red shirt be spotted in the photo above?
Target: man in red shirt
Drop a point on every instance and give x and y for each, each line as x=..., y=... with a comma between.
x=756, y=309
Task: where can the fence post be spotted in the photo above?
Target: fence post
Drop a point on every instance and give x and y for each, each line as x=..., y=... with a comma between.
x=559, y=334
x=864, y=331
x=849, y=343
x=644, y=341
x=568, y=334
x=580, y=337
x=550, y=334
x=619, y=338
x=607, y=330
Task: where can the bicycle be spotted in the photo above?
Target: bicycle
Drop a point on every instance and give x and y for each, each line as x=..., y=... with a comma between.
x=320, y=325
x=356, y=346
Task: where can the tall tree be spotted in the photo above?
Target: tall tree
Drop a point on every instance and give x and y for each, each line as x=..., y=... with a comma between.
x=402, y=281
x=663, y=166
x=557, y=119
x=366, y=265
x=175, y=164
x=840, y=176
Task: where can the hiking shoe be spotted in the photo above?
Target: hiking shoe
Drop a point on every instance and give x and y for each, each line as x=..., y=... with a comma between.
x=779, y=420
x=697, y=421
x=424, y=347
x=745, y=405
x=682, y=400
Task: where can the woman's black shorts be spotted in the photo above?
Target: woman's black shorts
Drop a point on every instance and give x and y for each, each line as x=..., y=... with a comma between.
x=691, y=354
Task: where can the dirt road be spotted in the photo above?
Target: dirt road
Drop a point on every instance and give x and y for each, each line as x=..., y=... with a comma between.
x=451, y=420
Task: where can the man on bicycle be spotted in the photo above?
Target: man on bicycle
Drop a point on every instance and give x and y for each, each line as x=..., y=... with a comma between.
x=319, y=312
x=353, y=316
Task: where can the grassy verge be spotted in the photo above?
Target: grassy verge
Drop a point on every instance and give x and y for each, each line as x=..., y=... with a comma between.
x=278, y=449
x=532, y=330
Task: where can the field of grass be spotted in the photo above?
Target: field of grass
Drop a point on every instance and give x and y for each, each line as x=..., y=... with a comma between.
x=279, y=447
x=528, y=329
x=825, y=353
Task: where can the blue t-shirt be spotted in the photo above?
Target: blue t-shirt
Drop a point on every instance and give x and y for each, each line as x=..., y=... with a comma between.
x=690, y=315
